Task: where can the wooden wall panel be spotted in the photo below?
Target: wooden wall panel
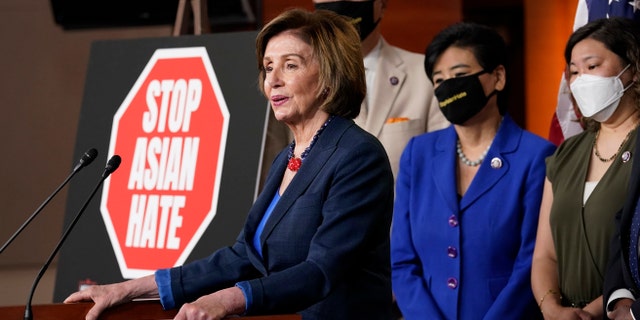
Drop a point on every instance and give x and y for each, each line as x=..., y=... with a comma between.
x=411, y=24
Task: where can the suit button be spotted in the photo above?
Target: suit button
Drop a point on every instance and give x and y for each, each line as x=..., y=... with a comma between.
x=452, y=283
x=452, y=252
x=453, y=221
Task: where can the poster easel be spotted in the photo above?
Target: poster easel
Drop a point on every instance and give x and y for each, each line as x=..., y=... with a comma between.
x=191, y=12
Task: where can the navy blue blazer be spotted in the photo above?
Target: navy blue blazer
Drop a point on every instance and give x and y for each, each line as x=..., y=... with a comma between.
x=326, y=244
x=618, y=274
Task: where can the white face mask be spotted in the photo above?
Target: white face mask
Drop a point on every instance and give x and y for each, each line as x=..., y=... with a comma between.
x=598, y=97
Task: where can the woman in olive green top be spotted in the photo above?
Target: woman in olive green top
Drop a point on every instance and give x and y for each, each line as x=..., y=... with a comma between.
x=587, y=176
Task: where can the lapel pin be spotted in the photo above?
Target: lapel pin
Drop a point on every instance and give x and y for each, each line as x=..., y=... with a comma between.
x=626, y=156
x=496, y=163
x=394, y=80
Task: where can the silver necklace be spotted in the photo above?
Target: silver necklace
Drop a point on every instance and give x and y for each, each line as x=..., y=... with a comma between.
x=466, y=160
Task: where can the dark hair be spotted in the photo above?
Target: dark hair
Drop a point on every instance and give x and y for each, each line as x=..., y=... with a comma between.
x=487, y=45
x=620, y=36
x=336, y=45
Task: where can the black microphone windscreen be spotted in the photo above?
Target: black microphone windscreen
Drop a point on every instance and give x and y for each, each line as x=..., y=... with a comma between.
x=112, y=165
x=89, y=156
x=86, y=159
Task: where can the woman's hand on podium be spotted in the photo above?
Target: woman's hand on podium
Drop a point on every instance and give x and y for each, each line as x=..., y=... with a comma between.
x=105, y=296
x=214, y=306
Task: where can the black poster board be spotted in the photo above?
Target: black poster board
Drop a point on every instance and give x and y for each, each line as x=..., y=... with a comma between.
x=87, y=256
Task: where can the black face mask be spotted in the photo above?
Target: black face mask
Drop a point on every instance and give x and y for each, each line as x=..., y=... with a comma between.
x=361, y=14
x=462, y=98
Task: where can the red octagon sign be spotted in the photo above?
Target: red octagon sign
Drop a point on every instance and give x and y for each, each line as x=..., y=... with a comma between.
x=171, y=132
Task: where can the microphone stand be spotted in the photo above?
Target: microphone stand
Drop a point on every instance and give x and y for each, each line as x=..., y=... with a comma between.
x=87, y=158
x=112, y=165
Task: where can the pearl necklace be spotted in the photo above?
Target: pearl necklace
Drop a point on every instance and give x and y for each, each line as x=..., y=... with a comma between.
x=294, y=162
x=466, y=160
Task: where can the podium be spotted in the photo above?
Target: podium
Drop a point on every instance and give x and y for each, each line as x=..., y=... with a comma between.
x=137, y=310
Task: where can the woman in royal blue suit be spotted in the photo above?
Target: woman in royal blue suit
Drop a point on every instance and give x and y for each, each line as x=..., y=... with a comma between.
x=316, y=241
x=468, y=196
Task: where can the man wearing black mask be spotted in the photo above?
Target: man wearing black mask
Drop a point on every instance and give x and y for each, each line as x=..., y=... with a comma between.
x=400, y=102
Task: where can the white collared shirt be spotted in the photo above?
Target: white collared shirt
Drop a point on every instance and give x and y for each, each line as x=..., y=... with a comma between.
x=370, y=65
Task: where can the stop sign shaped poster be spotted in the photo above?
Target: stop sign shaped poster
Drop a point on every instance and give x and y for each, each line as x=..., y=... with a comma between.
x=170, y=131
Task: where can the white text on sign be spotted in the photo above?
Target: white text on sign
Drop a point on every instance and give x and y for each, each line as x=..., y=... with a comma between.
x=154, y=220
x=179, y=100
x=162, y=163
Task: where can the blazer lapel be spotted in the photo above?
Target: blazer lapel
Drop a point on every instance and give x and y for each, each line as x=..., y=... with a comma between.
x=505, y=141
x=316, y=159
x=272, y=183
x=631, y=201
x=390, y=66
x=271, y=186
x=444, y=169
x=634, y=183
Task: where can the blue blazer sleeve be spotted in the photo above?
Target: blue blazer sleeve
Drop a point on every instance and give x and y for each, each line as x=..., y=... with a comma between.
x=516, y=297
x=410, y=285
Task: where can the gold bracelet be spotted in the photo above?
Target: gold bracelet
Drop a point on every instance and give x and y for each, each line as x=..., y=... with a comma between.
x=550, y=291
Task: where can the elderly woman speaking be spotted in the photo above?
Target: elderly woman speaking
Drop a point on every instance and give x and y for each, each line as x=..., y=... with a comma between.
x=316, y=241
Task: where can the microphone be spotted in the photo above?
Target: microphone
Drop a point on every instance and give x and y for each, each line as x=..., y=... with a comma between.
x=111, y=166
x=86, y=159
